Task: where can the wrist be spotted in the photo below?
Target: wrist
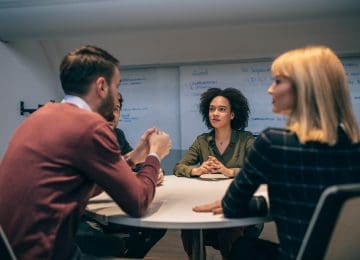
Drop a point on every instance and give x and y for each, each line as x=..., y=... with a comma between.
x=155, y=155
x=129, y=161
x=194, y=172
x=231, y=173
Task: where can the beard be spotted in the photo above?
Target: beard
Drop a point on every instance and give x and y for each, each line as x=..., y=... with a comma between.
x=107, y=107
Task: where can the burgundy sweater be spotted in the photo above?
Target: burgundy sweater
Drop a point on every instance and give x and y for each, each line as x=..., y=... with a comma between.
x=49, y=171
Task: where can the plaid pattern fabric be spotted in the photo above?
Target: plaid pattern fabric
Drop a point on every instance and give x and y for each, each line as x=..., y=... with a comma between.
x=296, y=175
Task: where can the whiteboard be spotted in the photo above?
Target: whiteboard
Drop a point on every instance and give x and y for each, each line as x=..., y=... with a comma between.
x=151, y=99
x=253, y=80
x=352, y=67
x=168, y=97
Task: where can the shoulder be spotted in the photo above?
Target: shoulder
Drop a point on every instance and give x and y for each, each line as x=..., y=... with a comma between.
x=203, y=139
x=278, y=136
x=243, y=134
x=204, y=136
x=75, y=127
x=119, y=132
x=71, y=111
x=88, y=124
x=71, y=117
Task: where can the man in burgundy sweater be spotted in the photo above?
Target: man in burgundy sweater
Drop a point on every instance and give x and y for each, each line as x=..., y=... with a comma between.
x=60, y=156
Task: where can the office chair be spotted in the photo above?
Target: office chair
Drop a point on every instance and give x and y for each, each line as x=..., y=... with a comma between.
x=6, y=253
x=334, y=229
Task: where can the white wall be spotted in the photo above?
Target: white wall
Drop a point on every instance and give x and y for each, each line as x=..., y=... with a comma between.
x=216, y=43
x=25, y=76
x=29, y=68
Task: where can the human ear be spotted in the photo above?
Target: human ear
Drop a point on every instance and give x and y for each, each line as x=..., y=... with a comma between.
x=101, y=86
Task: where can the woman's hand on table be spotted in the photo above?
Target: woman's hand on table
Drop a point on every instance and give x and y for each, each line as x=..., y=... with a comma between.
x=214, y=207
x=208, y=166
x=212, y=165
x=218, y=167
x=198, y=171
x=204, y=168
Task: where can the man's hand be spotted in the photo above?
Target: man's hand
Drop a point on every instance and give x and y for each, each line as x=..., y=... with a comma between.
x=160, y=143
x=141, y=150
x=160, y=177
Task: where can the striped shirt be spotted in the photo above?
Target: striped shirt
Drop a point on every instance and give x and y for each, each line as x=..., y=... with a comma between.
x=296, y=175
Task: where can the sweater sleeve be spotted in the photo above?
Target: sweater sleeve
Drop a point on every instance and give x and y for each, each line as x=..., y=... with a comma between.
x=238, y=200
x=101, y=162
x=189, y=161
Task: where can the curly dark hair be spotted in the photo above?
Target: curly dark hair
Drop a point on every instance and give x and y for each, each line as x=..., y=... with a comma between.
x=238, y=105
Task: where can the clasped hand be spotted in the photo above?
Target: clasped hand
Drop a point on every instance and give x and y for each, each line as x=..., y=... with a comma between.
x=212, y=165
x=152, y=141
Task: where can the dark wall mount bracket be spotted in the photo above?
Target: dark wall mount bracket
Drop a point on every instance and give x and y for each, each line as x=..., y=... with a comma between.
x=24, y=110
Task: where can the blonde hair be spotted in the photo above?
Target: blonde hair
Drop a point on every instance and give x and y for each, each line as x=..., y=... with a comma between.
x=322, y=94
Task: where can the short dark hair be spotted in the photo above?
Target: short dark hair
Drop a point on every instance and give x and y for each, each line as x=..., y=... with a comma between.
x=238, y=105
x=81, y=66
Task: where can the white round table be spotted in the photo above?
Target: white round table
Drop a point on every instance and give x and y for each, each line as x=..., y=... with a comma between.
x=172, y=208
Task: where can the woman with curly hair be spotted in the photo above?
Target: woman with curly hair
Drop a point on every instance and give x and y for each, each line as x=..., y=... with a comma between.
x=225, y=112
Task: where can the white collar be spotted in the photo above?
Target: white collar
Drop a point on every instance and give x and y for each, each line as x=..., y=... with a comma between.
x=77, y=101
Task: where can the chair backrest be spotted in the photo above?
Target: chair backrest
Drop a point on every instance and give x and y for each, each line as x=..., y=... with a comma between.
x=334, y=229
x=6, y=253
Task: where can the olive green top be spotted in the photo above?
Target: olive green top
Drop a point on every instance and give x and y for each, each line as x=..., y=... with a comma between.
x=204, y=146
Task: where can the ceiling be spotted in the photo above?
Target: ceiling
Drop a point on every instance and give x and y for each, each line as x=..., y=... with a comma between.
x=50, y=18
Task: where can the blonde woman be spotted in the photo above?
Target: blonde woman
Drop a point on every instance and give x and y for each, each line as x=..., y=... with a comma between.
x=319, y=147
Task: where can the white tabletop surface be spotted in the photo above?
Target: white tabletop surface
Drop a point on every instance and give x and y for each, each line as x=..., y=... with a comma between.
x=172, y=206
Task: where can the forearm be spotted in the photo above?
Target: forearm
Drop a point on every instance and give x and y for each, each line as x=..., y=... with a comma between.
x=189, y=161
x=256, y=206
x=235, y=171
x=183, y=170
x=96, y=191
x=131, y=158
x=243, y=193
x=133, y=193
